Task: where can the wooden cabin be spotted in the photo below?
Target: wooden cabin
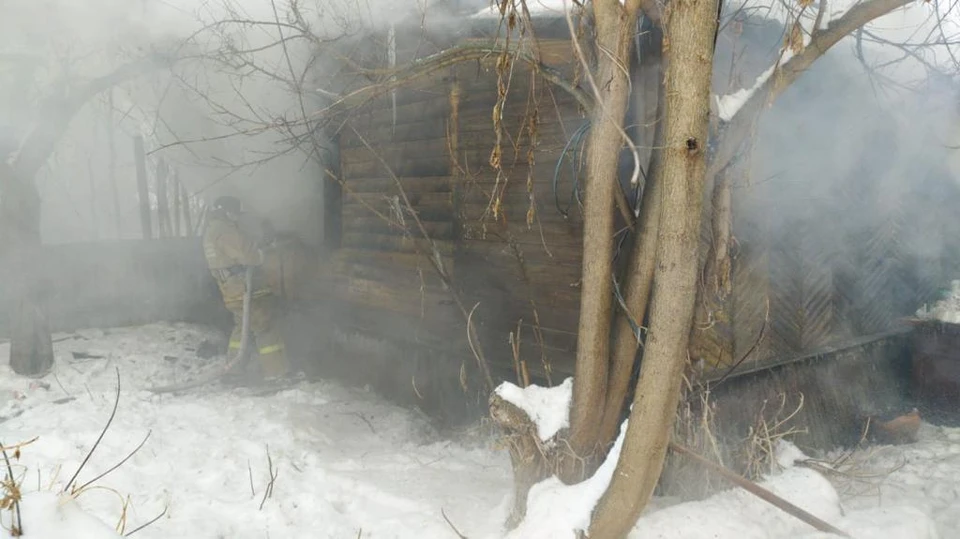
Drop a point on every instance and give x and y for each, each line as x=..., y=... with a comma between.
x=509, y=238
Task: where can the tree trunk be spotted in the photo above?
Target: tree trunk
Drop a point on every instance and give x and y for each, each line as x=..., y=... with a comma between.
x=639, y=282
x=711, y=337
x=31, y=346
x=112, y=165
x=175, y=184
x=143, y=192
x=615, y=28
x=688, y=43
x=163, y=206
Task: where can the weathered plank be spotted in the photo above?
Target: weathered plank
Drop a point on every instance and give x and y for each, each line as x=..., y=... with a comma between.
x=386, y=133
x=430, y=184
x=376, y=225
x=430, y=166
x=353, y=209
x=403, y=244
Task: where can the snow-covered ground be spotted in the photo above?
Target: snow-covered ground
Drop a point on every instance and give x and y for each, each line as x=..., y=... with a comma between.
x=349, y=465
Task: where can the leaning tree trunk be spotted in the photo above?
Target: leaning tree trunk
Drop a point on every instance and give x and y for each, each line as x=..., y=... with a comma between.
x=31, y=347
x=688, y=43
x=615, y=30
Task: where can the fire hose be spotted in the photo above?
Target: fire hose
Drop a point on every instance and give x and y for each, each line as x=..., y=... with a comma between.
x=232, y=363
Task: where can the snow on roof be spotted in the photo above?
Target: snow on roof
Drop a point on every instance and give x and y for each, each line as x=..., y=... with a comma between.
x=548, y=407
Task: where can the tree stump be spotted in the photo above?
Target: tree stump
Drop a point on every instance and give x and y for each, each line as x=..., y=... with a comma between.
x=531, y=460
x=31, y=347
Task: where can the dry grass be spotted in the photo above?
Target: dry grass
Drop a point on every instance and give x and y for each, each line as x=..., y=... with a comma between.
x=12, y=485
x=694, y=428
x=753, y=456
x=770, y=426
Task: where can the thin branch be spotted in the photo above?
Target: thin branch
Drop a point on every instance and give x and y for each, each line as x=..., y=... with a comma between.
x=119, y=464
x=16, y=502
x=455, y=55
x=760, y=492
x=738, y=128
x=99, y=438
x=452, y=527
x=149, y=522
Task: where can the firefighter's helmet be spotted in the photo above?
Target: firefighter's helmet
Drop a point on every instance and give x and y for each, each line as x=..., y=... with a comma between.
x=227, y=205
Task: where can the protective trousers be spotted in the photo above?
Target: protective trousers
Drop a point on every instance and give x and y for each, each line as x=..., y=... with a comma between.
x=266, y=338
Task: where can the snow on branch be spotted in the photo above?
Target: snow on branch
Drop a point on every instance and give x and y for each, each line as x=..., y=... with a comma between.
x=740, y=109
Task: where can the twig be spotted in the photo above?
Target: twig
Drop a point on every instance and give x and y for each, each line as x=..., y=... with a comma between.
x=756, y=344
x=16, y=447
x=102, y=433
x=452, y=527
x=16, y=530
x=253, y=492
x=268, y=492
x=151, y=521
x=760, y=492
x=119, y=464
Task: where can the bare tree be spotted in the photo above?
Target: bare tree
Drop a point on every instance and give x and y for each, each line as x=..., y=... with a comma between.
x=31, y=350
x=666, y=238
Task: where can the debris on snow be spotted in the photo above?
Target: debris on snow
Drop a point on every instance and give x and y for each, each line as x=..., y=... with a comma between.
x=349, y=461
x=737, y=514
x=947, y=309
x=547, y=407
x=346, y=459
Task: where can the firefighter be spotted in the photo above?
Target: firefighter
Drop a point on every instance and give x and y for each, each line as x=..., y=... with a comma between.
x=229, y=250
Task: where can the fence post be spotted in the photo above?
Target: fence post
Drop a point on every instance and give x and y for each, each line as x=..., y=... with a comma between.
x=142, y=190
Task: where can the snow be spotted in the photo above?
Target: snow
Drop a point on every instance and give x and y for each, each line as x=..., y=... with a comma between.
x=555, y=510
x=48, y=514
x=348, y=463
x=945, y=310
x=547, y=407
x=345, y=460
x=729, y=105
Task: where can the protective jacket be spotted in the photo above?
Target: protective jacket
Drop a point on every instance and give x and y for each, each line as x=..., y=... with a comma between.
x=228, y=251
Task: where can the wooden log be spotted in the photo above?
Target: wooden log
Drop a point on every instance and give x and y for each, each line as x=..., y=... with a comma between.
x=384, y=184
x=401, y=300
x=352, y=209
x=384, y=242
x=439, y=166
x=438, y=230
